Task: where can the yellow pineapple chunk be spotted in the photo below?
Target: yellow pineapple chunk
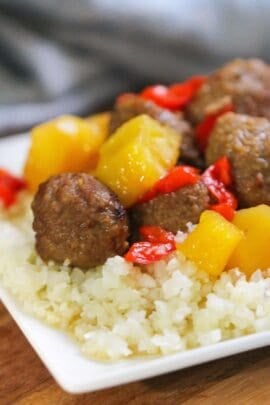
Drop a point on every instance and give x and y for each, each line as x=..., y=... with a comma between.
x=253, y=252
x=211, y=243
x=65, y=144
x=138, y=154
x=99, y=124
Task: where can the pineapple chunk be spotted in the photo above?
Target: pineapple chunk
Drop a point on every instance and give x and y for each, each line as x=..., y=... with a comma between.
x=253, y=252
x=99, y=124
x=139, y=153
x=65, y=144
x=211, y=243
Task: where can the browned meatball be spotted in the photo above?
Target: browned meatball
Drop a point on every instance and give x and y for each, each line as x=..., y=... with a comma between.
x=133, y=105
x=244, y=83
x=172, y=211
x=246, y=142
x=79, y=219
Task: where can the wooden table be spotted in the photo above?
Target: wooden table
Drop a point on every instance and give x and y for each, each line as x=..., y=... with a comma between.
x=242, y=379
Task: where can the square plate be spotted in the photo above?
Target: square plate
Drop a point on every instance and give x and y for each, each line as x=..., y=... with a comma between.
x=75, y=373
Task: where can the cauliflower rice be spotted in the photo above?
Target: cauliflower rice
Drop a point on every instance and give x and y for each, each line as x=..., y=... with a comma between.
x=120, y=310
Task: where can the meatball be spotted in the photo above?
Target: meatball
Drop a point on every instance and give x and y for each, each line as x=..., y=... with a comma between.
x=133, y=105
x=244, y=83
x=172, y=211
x=79, y=219
x=246, y=142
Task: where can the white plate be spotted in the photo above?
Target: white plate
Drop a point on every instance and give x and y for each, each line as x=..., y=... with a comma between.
x=62, y=357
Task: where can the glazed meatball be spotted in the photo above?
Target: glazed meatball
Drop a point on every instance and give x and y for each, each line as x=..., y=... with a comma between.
x=79, y=219
x=133, y=105
x=172, y=211
x=246, y=142
x=244, y=83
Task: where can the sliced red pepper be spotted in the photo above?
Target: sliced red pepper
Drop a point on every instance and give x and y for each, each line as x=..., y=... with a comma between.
x=175, y=97
x=216, y=178
x=189, y=87
x=156, y=234
x=157, y=245
x=7, y=195
x=147, y=252
x=222, y=195
x=226, y=210
x=197, y=81
x=177, y=177
x=9, y=187
x=14, y=182
x=204, y=129
x=162, y=96
x=217, y=189
x=222, y=171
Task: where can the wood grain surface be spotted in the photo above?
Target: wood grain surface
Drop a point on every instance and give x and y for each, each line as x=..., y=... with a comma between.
x=242, y=379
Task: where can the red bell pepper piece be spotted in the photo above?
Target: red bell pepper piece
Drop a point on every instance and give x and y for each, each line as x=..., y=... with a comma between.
x=156, y=234
x=176, y=178
x=222, y=171
x=213, y=179
x=204, y=129
x=189, y=87
x=216, y=178
x=7, y=195
x=157, y=245
x=9, y=187
x=14, y=182
x=162, y=96
x=226, y=210
x=175, y=97
x=147, y=252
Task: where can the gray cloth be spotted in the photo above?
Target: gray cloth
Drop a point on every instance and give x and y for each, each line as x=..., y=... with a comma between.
x=74, y=56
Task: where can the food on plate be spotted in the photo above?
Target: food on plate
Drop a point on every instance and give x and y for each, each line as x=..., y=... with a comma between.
x=131, y=105
x=145, y=230
x=121, y=310
x=100, y=124
x=136, y=156
x=65, y=144
x=204, y=129
x=245, y=83
x=10, y=186
x=219, y=181
x=188, y=202
x=252, y=252
x=245, y=141
x=157, y=245
x=176, y=96
x=79, y=220
x=211, y=243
